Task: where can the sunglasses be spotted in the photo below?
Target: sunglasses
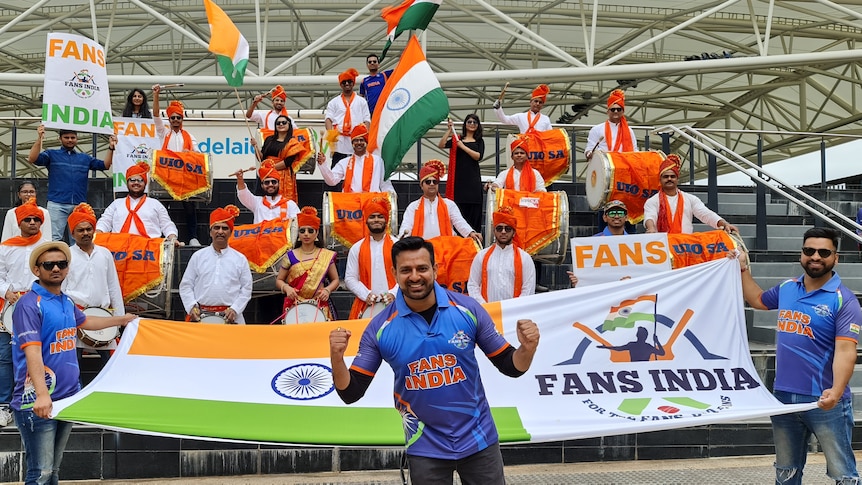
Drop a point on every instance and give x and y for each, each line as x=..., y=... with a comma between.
x=270, y=182
x=824, y=253
x=504, y=229
x=49, y=265
x=371, y=62
x=280, y=123
x=430, y=181
x=615, y=110
x=472, y=122
x=176, y=117
x=31, y=219
x=307, y=230
x=346, y=82
x=616, y=213
x=134, y=181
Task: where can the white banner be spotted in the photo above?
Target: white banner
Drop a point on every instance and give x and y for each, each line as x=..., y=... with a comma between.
x=611, y=258
x=75, y=95
x=135, y=138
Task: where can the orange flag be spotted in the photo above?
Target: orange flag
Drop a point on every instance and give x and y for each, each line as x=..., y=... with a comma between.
x=139, y=261
x=262, y=244
x=454, y=255
x=182, y=174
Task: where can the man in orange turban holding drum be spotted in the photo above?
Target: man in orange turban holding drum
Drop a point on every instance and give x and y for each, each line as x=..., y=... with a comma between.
x=503, y=270
x=369, y=263
x=521, y=175
x=614, y=135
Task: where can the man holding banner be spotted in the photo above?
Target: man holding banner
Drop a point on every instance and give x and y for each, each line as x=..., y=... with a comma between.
x=614, y=215
x=430, y=332
x=68, y=172
x=136, y=213
x=503, y=270
x=815, y=355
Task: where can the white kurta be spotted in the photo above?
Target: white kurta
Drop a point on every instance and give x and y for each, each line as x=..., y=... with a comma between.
x=255, y=204
x=500, y=181
x=378, y=271
x=693, y=207
x=522, y=120
x=336, y=174
x=153, y=214
x=598, y=131
x=335, y=112
x=12, y=229
x=15, y=273
x=431, y=227
x=501, y=274
x=216, y=279
x=266, y=119
x=93, y=282
x=175, y=143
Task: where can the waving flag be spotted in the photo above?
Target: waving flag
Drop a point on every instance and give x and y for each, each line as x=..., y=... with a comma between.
x=629, y=312
x=228, y=44
x=410, y=15
x=412, y=101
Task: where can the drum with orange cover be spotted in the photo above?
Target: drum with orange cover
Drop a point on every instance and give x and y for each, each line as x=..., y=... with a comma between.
x=630, y=177
x=543, y=221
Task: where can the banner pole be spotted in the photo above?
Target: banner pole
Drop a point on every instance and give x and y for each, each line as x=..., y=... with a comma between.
x=248, y=126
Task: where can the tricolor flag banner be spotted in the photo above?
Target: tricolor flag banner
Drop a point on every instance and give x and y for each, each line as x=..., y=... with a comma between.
x=135, y=138
x=228, y=44
x=411, y=103
x=75, y=94
x=410, y=15
x=259, y=383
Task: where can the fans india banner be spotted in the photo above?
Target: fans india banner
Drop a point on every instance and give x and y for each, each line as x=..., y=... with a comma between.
x=662, y=351
x=135, y=138
x=75, y=95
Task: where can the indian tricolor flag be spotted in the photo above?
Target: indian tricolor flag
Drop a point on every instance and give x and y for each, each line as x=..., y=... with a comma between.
x=411, y=103
x=228, y=44
x=410, y=15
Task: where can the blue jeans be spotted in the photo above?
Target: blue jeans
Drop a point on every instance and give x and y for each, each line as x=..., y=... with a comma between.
x=833, y=430
x=59, y=213
x=44, y=442
x=7, y=374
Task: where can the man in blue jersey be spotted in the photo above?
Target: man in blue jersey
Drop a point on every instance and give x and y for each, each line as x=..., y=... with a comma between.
x=818, y=327
x=373, y=83
x=45, y=324
x=430, y=332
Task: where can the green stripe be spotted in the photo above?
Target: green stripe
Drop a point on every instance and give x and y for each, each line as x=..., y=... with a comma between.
x=234, y=75
x=425, y=113
x=634, y=406
x=417, y=17
x=259, y=422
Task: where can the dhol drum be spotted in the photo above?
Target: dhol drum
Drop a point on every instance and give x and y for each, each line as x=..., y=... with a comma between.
x=342, y=221
x=6, y=318
x=159, y=192
x=631, y=177
x=263, y=284
x=373, y=310
x=304, y=312
x=546, y=237
x=156, y=303
x=98, y=338
x=547, y=151
x=212, y=317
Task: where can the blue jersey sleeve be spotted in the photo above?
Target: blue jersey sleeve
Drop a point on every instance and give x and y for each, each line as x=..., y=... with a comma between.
x=849, y=316
x=27, y=321
x=769, y=298
x=368, y=358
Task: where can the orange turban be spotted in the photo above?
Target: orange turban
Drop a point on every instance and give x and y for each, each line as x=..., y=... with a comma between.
x=140, y=168
x=377, y=205
x=348, y=75
x=175, y=108
x=432, y=168
x=278, y=92
x=82, y=213
x=28, y=209
x=307, y=217
x=618, y=96
x=541, y=91
x=672, y=162
x=359, y=131
x=226, y=215
x=267, y=170
x=519, y=141
x=505, y=215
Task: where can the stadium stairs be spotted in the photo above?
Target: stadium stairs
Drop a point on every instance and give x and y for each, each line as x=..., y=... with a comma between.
x=95, y=453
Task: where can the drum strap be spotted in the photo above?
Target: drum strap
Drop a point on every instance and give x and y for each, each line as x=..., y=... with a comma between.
x=519, y=273
x=134, y=217
x=213, y=308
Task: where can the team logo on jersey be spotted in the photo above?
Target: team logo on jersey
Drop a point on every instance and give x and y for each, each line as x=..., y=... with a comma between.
x=823, y=311
x=460, y=340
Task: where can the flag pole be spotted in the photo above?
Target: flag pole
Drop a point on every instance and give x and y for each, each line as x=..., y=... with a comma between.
x=247, y=125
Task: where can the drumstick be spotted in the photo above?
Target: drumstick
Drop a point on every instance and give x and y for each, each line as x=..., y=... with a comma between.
x=249, y=169
x=263, y=95
x=503, y=93
x=166, y=86
x=602, y=137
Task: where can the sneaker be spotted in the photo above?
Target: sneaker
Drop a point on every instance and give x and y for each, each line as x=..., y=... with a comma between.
x=5, y=416
x=194, y=242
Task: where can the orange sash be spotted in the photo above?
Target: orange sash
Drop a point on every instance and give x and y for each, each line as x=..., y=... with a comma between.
x=265, y=131
x=345, y=214
x=367, y=172
x=633, y=180
x=183, y=174
x=187, y=140
x=262, y=244
x=23, y=241
x=667, y=222
x=548, y=152
x=138, y=260
x=519, y=272
x=454, y=255
x=527, y=180
x=700, y=247
x=346, y=126
x=134, y=217
x=623, y=143
x=537, y=215
x=443, y=221
x=359, y=306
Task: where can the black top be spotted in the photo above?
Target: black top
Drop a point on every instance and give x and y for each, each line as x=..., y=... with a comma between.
x=468, y=178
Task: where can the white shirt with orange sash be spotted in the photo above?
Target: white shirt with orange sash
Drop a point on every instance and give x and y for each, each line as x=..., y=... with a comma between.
x=693, y=207
x=153, y=214
x=15, y=273
x=500, y=181
x=336, y=174
x=93, y=282
x=596, y=140
x=12, y=229
x=215, y=279
x=501, y=274
x=540, y=121
x=267, y=208
x=432, y=228
x=175, y=141
x=266, y=118
x=378, y=271
x=335, y=112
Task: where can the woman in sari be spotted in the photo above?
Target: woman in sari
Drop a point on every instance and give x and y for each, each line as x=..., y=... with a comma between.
x=283, y=149
x=308, y=270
